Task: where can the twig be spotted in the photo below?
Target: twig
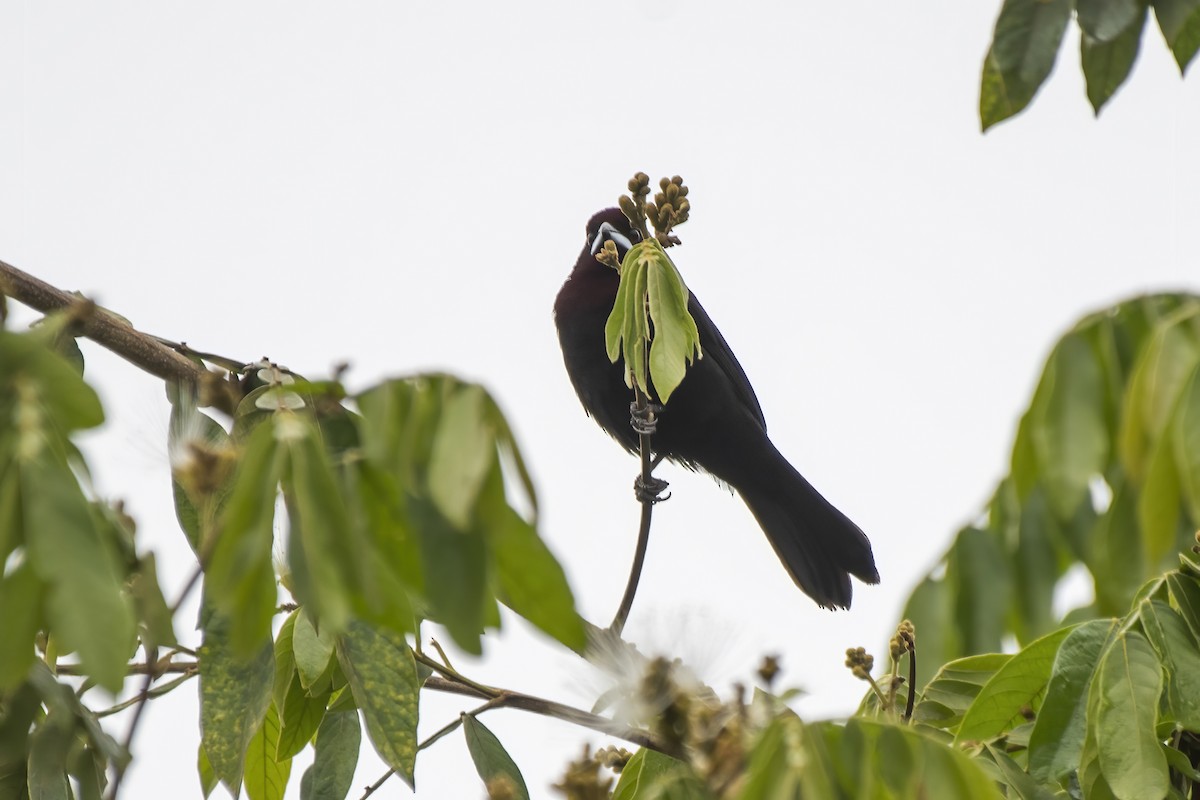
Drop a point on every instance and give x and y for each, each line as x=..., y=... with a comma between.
x=157, y=691
x=446, y=729
x=132, y=669
x=912, y=680
x=111, y=332
x=643, y=540
x=550, y=708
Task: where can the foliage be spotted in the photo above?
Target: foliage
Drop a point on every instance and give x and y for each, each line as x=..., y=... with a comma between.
x=410, y=501
x=1029, y=33
x=1104, y=474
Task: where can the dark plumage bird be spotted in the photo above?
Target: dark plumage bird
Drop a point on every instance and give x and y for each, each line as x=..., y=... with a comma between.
x=713, y=423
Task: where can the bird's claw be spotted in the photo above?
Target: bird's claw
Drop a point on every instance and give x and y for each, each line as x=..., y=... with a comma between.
x=649, y=490
x=644, y=419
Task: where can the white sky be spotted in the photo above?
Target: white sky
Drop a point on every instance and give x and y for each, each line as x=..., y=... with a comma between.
x=404, y=186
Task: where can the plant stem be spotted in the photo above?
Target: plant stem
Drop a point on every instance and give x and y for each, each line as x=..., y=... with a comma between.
x=643, y=539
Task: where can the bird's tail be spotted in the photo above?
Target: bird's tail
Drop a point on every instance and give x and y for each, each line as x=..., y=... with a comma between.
x=818, y=544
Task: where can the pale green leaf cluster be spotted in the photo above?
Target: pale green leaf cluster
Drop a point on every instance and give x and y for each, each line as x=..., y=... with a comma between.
x=650, y=328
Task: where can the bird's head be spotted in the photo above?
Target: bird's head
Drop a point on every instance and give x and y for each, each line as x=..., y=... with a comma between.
x=610, y=225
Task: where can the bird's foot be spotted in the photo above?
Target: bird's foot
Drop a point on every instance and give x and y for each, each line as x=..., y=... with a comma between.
x=644, y=419
x=649, y=491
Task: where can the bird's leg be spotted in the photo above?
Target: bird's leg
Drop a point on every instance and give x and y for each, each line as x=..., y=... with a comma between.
x=644, y=418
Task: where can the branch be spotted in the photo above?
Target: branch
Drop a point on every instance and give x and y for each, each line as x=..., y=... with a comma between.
x=110, y=331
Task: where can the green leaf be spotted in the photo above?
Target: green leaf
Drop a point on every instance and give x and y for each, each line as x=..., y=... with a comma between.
x=265, y=777
x=1180, y=24
x=455, y=565
x=1070, y=434
x=652, y=293
x=49, y=380
x=234, y=696
x=980, y=572
x=931, y=609
x=1185, y=593
x=312, y=650
x=332, y=773
x=463, y=450
x=1117, y=559
x=285, y=659
x=1123, y=711
x=301, y=716
x=532, y=582
x=1107, y=62
x=1012, y=691
x=204, y=768
x=240, y=577
x=947, y=697
x=492, y=761
x=1035, y=570
x=1177, y=650
x=1058, y=734
x=1185, y=432
x=83, y=571
x=383, y=676
x=1159, y=502
x=1105, y=20
x=48, y=748
x=150, y=604
x=650, y=774
x=1024, y=46
x=1019, y=783
x=21, y=594
x=322, y=570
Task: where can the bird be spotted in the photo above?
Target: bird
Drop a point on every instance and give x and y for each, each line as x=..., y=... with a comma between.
x=712, y=423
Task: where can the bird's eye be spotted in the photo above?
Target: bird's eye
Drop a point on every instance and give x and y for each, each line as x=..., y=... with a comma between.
x=635, y=236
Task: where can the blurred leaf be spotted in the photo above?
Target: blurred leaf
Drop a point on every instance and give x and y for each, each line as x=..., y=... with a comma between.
x=332, y=773
x=1024, y=47
x=312, y=650
x=321, y=569
x=492, y=761
x=455, y=565
x=1107, y=61
x=21, y=609
x=266, y=778
x=49, y=380
x=1123, y=711
x=1117, y=561
x=1069, y=432
x=1013, y=691
x=240, y=577
x=208, y=778
x=531, y=581
x=509, y=451
x=234, y=696
x=1185, y=432
x=188, y=427
x=48, y=747
x=1177, y=650
x=789, y=759
x=463, y=450
x=1180, y=24
x=1105, y=20
x=68, y=553
x=151, y=607
x=1159, y=374
x=981, y=578
x=1058, y=734
x=930, y=608
x=383, y=676
x=1159, y=503
x=1035, y=568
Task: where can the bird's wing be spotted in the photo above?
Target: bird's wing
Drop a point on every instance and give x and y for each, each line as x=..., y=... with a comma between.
x=716, y=348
